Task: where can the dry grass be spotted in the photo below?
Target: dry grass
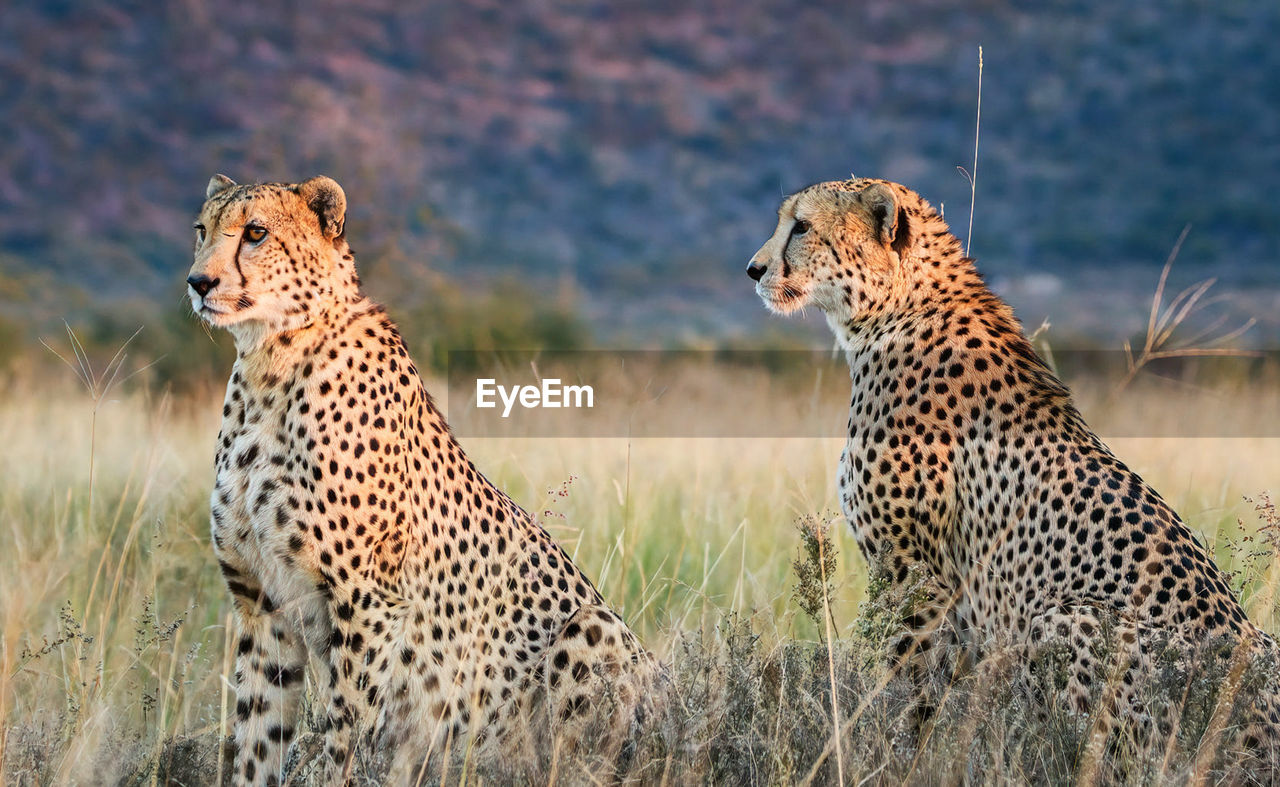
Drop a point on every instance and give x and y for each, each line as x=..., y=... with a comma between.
x=114, y=640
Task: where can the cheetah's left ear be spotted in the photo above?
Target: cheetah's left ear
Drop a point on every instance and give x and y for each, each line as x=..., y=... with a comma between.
x=325, y=197
x=892, y=225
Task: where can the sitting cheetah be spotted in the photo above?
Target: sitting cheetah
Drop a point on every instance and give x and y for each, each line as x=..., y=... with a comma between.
x=350, y=526
x=968, y=464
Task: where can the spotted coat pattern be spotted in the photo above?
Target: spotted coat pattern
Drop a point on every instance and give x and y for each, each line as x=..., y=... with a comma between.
x=352, y=529
x=967, y=463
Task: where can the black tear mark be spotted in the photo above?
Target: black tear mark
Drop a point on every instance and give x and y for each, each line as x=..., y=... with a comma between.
x=236, y=259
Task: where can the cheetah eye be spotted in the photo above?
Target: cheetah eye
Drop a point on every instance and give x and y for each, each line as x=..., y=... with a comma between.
x=199, y=228
x=254, y=234
x=799, y=228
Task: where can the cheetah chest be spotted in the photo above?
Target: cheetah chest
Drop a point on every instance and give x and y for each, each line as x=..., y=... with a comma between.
x=865, y=516
x=254, y=504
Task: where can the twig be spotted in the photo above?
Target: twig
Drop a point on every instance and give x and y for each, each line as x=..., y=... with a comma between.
x=1164, y=320
x=973, y=180
x=98, y=385
x=831, y=657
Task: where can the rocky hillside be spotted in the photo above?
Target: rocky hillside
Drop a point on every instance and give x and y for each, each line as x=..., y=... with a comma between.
x=633, y=153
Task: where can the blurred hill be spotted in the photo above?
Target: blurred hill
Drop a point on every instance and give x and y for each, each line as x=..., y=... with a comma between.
x=627, y=158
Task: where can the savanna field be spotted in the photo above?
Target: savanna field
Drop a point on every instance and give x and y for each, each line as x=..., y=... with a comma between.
x=116, y=641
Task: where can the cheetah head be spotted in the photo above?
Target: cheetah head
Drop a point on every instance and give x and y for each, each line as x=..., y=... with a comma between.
x=269, y=257
x=838, y=245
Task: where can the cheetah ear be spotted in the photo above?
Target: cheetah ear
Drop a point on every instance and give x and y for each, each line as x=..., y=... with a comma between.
x=890, y=220
x=325, y=197
x=217, y=184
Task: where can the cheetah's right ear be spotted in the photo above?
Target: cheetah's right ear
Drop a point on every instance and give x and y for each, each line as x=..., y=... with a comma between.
x=324, y=196
x=892, y=226
x=217, y=185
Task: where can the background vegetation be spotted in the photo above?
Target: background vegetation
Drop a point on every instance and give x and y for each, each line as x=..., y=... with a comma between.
x=115, y=642
x=631, y=158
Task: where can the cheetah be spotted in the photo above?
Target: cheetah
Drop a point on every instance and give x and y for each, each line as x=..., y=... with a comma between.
x=967, y=463
x=351, y=528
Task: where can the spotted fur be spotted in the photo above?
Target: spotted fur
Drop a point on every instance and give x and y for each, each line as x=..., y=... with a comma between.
x=967, y=463
x=351, y=528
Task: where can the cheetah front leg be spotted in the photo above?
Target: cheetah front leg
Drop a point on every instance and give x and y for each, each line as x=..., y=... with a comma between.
x=1102, y=661
x=271, y=660
x=359, y=651
x=590, y=690
x=927, y=650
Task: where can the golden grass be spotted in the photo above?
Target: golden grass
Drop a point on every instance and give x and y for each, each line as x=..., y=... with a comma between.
x=114, y=624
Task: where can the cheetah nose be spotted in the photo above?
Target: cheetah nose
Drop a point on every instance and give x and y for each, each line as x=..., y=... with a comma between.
x=202, y=284
x=756, y=272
